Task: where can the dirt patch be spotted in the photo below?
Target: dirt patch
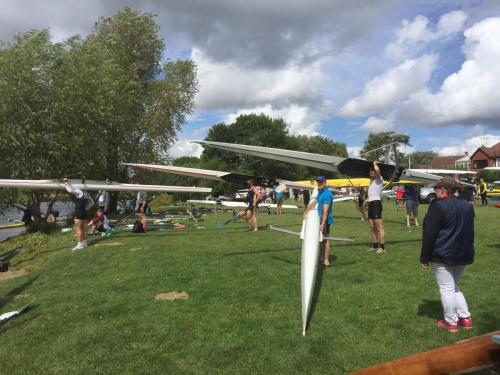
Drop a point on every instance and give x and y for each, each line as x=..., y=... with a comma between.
x=139, y=248
x=11, y=273
x=171, y=296
x=108, y=244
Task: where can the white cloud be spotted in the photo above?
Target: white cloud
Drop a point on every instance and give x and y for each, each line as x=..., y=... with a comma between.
x=353, y=151
x=375, y=124
x=394, y=85
x=301, y=119
x=229, y=85
x=183, y=147
x=412, y=34
x=468, y=145
x=470, y=95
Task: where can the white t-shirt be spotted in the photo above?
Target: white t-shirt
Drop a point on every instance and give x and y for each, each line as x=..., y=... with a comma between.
x=375, y=188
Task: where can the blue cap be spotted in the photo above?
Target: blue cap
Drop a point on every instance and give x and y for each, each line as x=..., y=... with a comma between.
x=321, y=178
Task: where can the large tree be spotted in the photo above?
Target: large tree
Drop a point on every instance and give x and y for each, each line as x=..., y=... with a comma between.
x=86, y=106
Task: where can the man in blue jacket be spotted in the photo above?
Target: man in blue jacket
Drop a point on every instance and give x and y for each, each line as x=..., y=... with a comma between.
x=448, y=243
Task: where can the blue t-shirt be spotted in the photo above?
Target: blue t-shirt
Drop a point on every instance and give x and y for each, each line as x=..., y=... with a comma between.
x=325, y=196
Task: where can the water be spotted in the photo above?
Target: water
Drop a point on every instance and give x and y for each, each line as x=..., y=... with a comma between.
x=10, y=214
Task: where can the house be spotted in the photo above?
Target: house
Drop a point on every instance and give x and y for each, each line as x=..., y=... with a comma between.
x=486, y=157
x=445, y=162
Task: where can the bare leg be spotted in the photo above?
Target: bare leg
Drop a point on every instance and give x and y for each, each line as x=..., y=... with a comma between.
x=326, y=244
x=379, y=225
x=374, y=231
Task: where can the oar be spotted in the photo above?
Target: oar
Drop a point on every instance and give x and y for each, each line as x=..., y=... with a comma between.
x=272, y=227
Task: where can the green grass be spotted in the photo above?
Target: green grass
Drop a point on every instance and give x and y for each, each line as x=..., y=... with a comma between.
x=95, y=310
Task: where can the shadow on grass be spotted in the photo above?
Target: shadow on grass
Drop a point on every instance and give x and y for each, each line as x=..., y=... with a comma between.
x=430, y=308
x=494, y=246
x=317, y=289
x=9, y=297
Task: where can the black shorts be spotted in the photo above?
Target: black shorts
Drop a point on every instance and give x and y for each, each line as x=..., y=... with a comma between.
x=326, y=230
x=375, y=210
x=140, y=206
x=80, y=214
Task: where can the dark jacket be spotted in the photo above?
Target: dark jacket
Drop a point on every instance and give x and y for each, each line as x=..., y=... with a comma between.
x=448, y=234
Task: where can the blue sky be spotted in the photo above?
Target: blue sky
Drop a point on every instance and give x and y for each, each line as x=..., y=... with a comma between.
x=332, y=67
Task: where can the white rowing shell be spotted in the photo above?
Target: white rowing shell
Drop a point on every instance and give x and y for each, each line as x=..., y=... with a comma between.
x=309, y=263
x=99, y=185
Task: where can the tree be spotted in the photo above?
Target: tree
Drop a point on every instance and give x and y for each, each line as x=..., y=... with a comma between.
x=375, y=141
x=86, y=106
x=420, y=158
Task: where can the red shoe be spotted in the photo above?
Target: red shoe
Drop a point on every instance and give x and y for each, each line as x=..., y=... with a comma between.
x=448, y=326
x=466, y=323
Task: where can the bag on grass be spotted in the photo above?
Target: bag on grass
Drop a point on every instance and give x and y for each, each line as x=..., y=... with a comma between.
x=138, y=227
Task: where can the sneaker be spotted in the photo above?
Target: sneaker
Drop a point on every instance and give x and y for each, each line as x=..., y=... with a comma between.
x=380, y=251
x=373, y=249
x=448, y=326
x=77, y=247
x=466, y=323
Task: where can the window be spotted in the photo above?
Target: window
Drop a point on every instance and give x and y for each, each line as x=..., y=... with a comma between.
x=480, y=164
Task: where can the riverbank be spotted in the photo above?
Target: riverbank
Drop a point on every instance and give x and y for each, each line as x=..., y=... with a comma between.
x=102, y=310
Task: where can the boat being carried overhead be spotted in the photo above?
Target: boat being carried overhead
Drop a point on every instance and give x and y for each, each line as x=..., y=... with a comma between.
x=348, y=166
x=98, y=185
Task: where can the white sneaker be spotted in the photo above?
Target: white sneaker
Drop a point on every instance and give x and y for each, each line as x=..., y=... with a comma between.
x=77, y=247
x=372, y=249
x=380, y=251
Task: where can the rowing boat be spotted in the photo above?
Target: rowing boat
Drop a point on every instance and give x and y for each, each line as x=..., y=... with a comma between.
x=463, y=355
x=309, y=263
x=98, y=185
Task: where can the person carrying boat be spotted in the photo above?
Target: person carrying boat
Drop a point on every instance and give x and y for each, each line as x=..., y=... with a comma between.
x=448, y=245
x=83, y=202
x=141, y=206
x=324, y=204
x=375, y=209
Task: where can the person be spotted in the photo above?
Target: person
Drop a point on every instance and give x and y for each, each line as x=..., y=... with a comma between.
x=375, y=209
x=400, y=197
x=411, y=203
x=140, y=207
x=482, y=191
x=307, y=194
x=253, y=197
x=99, y=223
x=279, y=196
x=27, y=217
x=103, y=200
x=83, y=203
x=448, y=245
x=324, y=204
x=360, y=203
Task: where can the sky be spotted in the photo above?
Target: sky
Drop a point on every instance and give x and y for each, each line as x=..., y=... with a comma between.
x=337, y=68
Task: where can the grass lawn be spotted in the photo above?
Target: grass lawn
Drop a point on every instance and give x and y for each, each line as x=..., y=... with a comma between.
x=95, y=310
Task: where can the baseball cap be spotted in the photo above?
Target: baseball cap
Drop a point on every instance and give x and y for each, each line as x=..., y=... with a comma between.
x=321, y=178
